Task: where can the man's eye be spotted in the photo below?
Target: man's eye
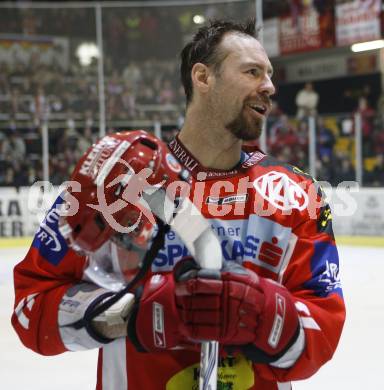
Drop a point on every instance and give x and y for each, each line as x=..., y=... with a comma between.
x=254, y=72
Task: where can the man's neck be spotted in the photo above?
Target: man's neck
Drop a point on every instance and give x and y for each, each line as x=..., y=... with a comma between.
x=213, y=147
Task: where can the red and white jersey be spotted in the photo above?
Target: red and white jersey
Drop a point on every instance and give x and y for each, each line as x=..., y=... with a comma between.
x=268, y=216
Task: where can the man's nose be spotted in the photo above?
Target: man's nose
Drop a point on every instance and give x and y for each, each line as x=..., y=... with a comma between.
x=267, y=86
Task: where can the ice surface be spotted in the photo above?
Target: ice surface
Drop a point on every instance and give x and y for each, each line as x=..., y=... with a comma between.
x=358, y=363
x=22, y=369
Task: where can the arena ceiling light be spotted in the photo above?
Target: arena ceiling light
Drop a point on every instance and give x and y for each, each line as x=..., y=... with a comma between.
x=86, y=52
x=364, y=46
x=198, y=19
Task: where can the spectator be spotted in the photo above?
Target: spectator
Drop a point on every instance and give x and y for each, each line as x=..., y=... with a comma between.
x=4, y=82
x=167, y=93
x=132, y=74
x=376, y=176
x=345, y=170
x=56, y=105
x=14, y=147
x=277, y=133
x=349, y=100
x=128, y=102
x=274, y=114
x=302, y=136
x=114, y=86
x=16, y=104
x=352, y=96
x=378, y=141
x=146, y=95
x=324, y=169
x=325, y=140
x=39, y=107
x=367, y=119
x=85, y=140
x=2, y=155
x=9, y=177
x=307, y=100
x=380, y=109
x=88, y=119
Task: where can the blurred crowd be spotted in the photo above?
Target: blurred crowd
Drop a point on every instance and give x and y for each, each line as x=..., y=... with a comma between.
x=147, y=92
x=288, y=137
x=34, y=94
x=142, y=87
x=287, y=140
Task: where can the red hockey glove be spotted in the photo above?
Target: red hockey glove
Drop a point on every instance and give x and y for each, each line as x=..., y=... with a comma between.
x=238, y=309
x=155, y=323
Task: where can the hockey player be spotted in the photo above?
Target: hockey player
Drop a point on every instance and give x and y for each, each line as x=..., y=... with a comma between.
x=276, y=307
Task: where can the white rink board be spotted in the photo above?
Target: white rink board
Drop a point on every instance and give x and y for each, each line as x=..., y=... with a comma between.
x=357, y=364
x=357, y=212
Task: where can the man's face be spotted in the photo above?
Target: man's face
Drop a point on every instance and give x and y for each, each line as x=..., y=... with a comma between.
x=241, y=90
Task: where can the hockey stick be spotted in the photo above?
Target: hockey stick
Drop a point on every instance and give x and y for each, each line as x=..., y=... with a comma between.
x=204, y=246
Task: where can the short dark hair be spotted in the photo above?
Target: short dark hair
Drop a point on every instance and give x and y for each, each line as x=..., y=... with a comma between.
x=204, y=48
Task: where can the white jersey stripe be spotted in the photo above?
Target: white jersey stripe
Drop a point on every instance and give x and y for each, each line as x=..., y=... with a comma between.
x=287, y=256
x=29, y=301
x=23, y=319
x=309, y=323
x=114, y=370
x=284, y=386
x=293, y=353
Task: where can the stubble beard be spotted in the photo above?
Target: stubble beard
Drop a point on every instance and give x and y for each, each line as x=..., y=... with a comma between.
x=245, y=129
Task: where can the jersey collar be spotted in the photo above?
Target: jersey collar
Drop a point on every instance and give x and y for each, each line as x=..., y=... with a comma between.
x=199, y=172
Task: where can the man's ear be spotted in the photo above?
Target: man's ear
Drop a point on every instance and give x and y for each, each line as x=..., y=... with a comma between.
x=201, y=77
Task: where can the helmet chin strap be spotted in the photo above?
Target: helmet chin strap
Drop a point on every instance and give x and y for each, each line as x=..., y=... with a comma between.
x=157, y=244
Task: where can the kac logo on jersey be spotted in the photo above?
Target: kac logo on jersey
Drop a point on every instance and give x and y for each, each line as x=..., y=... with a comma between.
x=48, y=240
x=281, y=191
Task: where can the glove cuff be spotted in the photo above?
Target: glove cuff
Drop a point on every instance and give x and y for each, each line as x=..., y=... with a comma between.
x=76, y=331
x=88, y=322
x=155, y=324
x=257, y=355
x=280, y=337
x=132, y=323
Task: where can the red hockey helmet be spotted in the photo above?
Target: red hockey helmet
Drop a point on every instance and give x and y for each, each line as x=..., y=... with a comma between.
x=112, y=175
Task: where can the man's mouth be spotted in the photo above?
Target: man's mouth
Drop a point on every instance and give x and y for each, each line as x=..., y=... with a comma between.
x=259, y=108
